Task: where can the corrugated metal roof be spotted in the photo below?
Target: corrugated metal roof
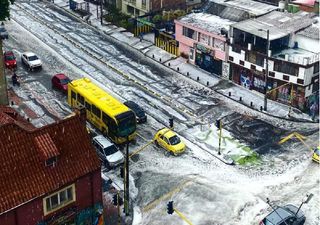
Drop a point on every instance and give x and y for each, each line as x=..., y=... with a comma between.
x=278, y=23
x=252, y=7
x=311, y=32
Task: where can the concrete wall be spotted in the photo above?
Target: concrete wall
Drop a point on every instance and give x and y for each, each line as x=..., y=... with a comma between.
x=186, y=43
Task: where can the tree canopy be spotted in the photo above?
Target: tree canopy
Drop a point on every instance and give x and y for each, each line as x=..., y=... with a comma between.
x=4, y=9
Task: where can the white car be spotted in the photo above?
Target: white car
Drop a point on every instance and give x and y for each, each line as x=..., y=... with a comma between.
x=31, y=60
x=108, y=153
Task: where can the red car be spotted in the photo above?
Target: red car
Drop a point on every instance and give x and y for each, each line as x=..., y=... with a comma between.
x=10, y=61
x=60, y=82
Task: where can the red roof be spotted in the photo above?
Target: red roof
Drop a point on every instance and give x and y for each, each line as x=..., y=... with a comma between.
x=24, y=175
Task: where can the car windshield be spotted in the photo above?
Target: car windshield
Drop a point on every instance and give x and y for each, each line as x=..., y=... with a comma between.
x=2, y=29
x=174, y=140
x=110, y=150
x=32, y=58
x=9, y=57
x=65, y=81
x=317, y=151
x=126, y=124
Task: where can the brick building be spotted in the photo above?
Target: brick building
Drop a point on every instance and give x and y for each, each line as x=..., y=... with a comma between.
x=49, y=175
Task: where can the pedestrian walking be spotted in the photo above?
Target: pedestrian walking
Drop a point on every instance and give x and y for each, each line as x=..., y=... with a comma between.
x=313, y=110
x=15, y=80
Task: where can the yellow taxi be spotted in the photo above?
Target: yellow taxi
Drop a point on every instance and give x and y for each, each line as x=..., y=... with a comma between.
x=170, y=141
x=315, y=156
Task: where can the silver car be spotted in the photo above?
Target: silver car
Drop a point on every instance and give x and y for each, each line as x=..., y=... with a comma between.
x=108, y=153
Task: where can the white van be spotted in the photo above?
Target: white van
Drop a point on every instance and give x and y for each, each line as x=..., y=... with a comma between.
x=107, y=151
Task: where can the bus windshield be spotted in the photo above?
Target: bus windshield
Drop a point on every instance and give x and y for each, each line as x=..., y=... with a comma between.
x=126, y=124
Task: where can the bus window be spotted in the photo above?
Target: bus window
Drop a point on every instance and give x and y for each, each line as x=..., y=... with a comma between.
x=96, y=111
x=106, y=119
x=88, y=106
x=80, y=99
x=73, y=95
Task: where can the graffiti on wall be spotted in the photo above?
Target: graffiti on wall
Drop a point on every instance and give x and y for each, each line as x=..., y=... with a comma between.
x=225, y=70
x=89, y=216
x=245, y=81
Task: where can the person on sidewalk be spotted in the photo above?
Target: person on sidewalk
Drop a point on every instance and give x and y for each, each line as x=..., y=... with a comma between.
x=15, y=80
x=313, y=110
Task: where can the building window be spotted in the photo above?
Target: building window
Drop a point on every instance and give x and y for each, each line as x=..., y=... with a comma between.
x=271, y=74
x=231, y=58
x=191, y=54
x=285, y=77
x=316, y=68
x=59, y=199
x=253, y=67
x=255, y=58
x=284, y=67
x=300, y=81
x=51, y=161
x=241, y=62
x=218, y=44
x=189, y=33
x=144, y=4
x=236, y=49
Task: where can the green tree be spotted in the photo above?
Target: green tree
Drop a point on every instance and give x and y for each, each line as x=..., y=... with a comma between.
x=4, y=9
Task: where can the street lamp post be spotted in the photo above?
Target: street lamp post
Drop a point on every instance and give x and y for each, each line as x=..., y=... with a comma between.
x=267, y=70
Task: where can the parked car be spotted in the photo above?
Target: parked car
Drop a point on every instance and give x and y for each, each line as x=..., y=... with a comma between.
x=31, y=60
x=10, y=61
x=170, y=141
x=60, y=81
x=140, y=114
x=3, y=32
x=108, y=153
x=284, y=216
x=315, y=155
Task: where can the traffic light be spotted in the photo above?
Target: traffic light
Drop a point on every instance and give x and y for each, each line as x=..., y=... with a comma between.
x=218, y=124
x=171, y=122
x=115, y=200
x=170, y=207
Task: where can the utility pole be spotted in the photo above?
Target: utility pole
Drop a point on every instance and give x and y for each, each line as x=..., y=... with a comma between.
x=267, y=72
x=101, y=12
x=3, y=81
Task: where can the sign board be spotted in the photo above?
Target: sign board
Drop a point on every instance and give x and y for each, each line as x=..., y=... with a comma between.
x=145, y=22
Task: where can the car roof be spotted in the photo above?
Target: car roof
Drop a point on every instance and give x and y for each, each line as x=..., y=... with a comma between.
x=278, y=215
x=60, y=76
x=131, y=103
x=29, y=54
x=8, y=53
x=102, y=141
x=168, y=133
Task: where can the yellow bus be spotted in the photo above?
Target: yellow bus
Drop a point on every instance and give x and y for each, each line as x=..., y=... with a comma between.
x=106, y=113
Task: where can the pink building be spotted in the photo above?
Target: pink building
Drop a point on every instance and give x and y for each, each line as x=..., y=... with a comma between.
x=202, y=38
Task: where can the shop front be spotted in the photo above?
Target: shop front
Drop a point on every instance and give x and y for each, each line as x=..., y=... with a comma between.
x=205, y=60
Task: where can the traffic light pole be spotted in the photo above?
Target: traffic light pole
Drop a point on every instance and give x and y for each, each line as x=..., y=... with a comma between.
x=220, y=135
x=118, y=205
x=3, y=81
x=126, y=200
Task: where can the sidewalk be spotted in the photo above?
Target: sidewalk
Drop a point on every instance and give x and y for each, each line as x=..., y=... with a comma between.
x=252, y=99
